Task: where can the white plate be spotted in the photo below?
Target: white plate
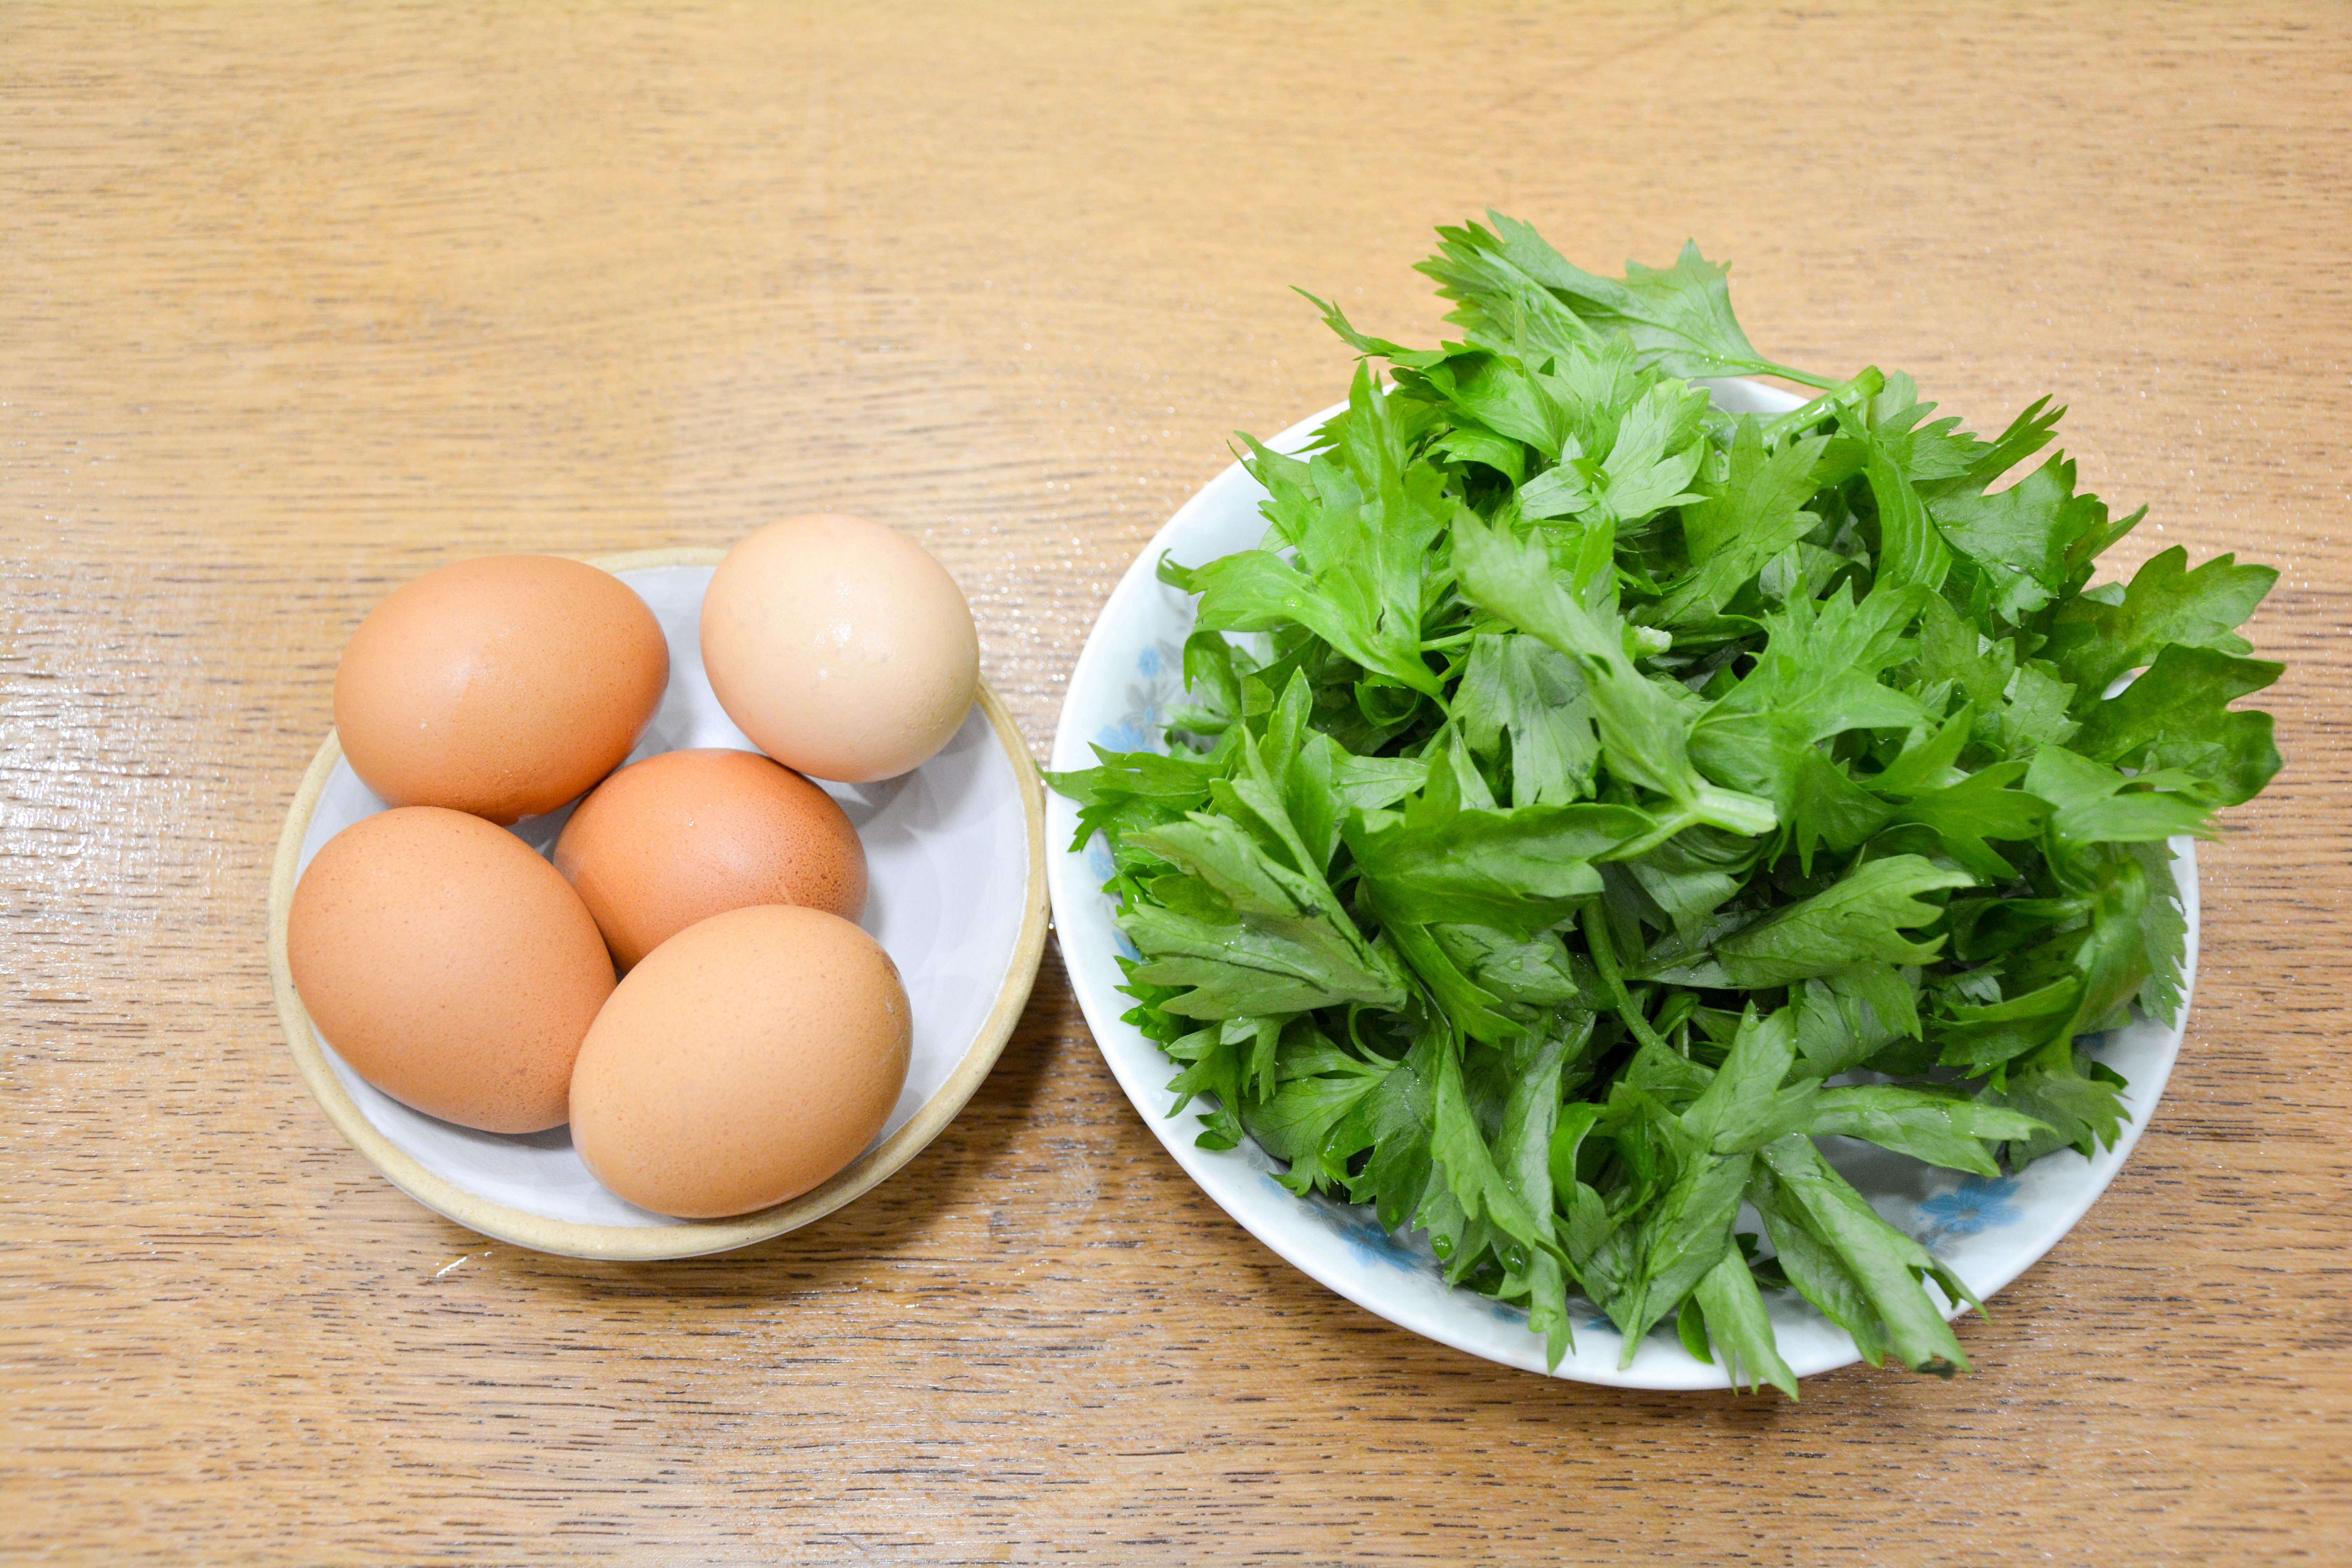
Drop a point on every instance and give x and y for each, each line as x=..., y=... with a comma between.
x=1989, y=1231
x=955, y=868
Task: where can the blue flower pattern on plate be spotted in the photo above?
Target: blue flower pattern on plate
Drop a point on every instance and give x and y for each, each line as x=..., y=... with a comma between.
x=1160, y=672
x=1161, y=665
x=1359, y=1229
x=1976, y=1204
x=1124, y=736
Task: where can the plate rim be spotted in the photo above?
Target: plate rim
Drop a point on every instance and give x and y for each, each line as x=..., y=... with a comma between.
x=1069, y=750
x=685, y=1238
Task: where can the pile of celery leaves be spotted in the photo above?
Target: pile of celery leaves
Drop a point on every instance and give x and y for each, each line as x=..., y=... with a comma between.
x=1622, y=794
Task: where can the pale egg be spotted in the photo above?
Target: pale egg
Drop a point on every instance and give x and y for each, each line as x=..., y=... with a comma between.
x=840, y=646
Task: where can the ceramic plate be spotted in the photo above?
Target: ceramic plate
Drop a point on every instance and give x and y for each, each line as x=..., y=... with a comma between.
x=1990, y=1231
x=955, y=863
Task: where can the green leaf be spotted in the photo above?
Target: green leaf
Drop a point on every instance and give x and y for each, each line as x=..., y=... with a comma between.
x=2026, y=435
x=2094, y=642
x=1680, y=318
x=1134, y=789
x=1860, y=917
x=2020, y=537
x=2033, y=711
x=1849, y=1018
x=1814, y=1267
x=1378, y=348
x=1644, y=731
x=1516, y=686
x=1474, y=1012
x=1741, y=1326
x=1745, y=1105
x=1943, y=1129
x=1656, y=451
x=1307, y=1120
x=1462, y=1154
x=2077, y=1101
x=2092, y=809
x=1911, y=552
x=1522, y=1156
x=2113, y=955
x=1213, y=1065
x=1362, y=520
x=1687, y=1235
x=1926, y=765
x=1816, y=678
x=1534, y=971
x=1370, y=783
x=2183, y=702
x=1981, y=806
x=1742, y=521
x=2164, y=932
x=1521, y=869
x=1955, y=655
x=1261, y=938
x=1928, y=452
x=1989, y=1033
x=1887, y=1265
x=1691, y=876
x=1397, y=1120
x=1506, y=397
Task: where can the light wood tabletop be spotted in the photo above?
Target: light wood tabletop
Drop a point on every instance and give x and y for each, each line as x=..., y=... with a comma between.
x=298, y=302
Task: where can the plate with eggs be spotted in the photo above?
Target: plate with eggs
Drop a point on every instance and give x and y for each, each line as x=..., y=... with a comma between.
x=657, y=904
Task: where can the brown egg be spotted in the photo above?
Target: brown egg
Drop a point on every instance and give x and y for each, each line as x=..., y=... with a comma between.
x=840, y=648
x=503, y=686
x=746, y=1060
x=684, y=836
x=453, y=968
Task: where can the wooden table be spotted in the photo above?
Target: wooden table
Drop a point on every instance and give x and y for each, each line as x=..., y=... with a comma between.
x=297, y=303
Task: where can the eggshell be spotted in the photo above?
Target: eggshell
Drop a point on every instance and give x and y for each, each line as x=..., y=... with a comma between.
x=684, y=836
x=840, y=648
x=449, y=966
x=746, y=1060
x=503, y=686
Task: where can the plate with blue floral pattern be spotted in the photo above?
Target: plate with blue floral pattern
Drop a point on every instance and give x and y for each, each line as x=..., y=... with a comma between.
x=1130, y=672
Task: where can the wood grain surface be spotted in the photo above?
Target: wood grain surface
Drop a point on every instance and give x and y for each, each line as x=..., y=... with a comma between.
x=298, y=302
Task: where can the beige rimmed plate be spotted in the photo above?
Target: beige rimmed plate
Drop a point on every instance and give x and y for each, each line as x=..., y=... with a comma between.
x=956, y=867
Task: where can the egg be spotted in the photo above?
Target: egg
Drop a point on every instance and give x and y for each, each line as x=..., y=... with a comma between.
x=840, y=648
x=684, y=836
x=743, y=1062
x=449, y=966
x=503, y=686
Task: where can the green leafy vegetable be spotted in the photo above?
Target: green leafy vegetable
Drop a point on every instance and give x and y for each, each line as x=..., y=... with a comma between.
x=1585, y=800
